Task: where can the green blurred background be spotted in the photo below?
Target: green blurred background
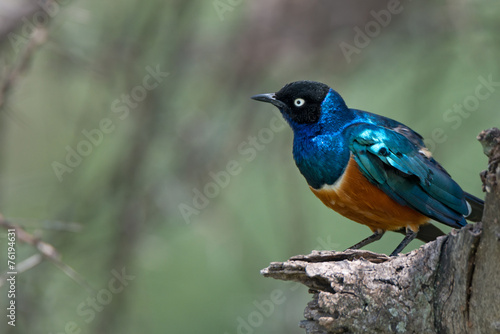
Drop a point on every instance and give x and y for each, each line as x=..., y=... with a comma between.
x=135, y=190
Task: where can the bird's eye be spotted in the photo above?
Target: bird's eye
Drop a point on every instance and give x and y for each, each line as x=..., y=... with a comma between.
x=299, y=102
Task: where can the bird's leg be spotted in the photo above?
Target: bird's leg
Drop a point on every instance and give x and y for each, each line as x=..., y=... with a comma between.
x=374, y=237
x=410, y=235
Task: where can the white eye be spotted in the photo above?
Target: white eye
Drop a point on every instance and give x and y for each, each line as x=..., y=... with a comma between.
x=299, y=102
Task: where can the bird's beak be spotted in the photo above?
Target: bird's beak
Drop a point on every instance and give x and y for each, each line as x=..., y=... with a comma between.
x=269, y=98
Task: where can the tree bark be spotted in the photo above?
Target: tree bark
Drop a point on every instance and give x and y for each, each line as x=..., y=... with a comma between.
x=451, y=285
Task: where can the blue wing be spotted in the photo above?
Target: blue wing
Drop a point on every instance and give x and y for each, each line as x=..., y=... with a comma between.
x=393, y=162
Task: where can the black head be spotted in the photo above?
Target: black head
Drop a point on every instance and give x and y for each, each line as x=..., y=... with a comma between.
x=299, y=100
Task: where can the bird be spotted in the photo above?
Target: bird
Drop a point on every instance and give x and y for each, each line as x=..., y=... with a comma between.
x=369, y=168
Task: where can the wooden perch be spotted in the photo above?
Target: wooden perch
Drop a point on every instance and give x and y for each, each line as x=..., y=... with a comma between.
x=451, y=285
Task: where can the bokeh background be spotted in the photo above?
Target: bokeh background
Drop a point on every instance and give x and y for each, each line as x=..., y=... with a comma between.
x=189, y=187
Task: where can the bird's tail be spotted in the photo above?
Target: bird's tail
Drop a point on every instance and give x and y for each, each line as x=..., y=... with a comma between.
x=426, y=233
x=476, y=206
x=429, y=232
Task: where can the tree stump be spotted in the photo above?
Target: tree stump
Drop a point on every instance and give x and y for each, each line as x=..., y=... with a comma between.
x=451, y=285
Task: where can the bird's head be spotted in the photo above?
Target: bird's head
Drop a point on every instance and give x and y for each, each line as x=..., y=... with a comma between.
x=299, y=101
x=304, y=102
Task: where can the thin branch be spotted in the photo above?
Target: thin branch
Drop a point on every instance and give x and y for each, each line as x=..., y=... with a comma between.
x=47, y=251
x=10, y=75
x=23, y=266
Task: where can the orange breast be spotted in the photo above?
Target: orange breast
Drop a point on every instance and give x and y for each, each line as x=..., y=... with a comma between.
x=354, y=197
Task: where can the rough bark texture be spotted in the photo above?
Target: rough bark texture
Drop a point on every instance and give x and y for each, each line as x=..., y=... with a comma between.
x=451, y=285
